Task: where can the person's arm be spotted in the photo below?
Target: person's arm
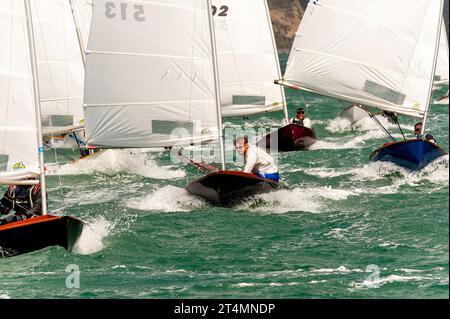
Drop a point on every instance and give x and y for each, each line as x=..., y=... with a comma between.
x=307, y=123
x=430, y=138
x=250, y=162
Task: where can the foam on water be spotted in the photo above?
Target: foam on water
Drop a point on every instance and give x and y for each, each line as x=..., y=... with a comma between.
x=339, y=143
x=436, y=172
x=366, y=284
x=341, y=125
x=113, y=162
x=312, y=199
x=167, y=199
x=91, y=239
x=4, y=296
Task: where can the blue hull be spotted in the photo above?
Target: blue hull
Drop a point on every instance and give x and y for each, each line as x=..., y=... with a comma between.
x=412, y=154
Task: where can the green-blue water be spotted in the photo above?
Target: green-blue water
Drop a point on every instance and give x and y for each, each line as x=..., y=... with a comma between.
x=147, y=238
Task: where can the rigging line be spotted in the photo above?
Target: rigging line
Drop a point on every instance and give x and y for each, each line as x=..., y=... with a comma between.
x=59, y=177
x=56, y=150
x=375, y=119
x=400, y=128
x=78, y=143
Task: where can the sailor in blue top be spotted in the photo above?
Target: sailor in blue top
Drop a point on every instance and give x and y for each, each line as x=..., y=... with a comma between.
x=426, y=137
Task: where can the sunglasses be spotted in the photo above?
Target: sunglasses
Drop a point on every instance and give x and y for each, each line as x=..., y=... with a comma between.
x=417, y=129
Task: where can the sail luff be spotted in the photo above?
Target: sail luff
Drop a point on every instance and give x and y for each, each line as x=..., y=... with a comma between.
x=277, y=62
x=37, y=104
x=435, y=58
x=78, y=31
x=216, y=84
x=442, y=68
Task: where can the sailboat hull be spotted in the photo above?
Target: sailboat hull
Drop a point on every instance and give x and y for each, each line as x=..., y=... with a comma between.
x=227, y=188
x=412, y=154
x=354, y=114
x=38, y=233
x=289, y=138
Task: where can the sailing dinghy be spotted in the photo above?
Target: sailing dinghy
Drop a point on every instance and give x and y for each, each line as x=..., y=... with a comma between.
x=21, y=142
x=146, y=88
x=379, y=54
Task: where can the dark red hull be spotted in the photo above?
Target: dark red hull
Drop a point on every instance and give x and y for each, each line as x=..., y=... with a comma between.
x=289, y=138
x=227, y=188
x=38, y=233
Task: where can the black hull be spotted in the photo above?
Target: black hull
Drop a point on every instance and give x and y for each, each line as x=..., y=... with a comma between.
x=228, y=188
x=38, y=233
x=289, y=138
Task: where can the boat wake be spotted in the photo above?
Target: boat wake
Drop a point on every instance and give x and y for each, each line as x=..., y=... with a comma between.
x=167, y=199
x=352, y=142
x=113, y=162
x=91, y=239
x=436, y=172
x=301, y=199
x=341, y=125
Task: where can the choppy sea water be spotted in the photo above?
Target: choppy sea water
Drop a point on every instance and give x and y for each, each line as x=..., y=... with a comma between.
x=345, y=228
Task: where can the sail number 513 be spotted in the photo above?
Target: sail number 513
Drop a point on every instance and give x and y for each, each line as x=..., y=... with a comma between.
x=111, y=11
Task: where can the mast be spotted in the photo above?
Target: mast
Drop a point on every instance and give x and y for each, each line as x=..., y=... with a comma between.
x=436, y=52
x=78, y=31
x=37, y=103
x=216, y=84
x=274, y=45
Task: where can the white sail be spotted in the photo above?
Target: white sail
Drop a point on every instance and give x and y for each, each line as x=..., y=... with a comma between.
x=442, y=67
x=149, y=74
x=248, y=60
x=60, y=65
x=377, y=53
x=18, y=142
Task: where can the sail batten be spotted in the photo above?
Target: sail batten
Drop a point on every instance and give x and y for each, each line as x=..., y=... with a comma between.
x=375, y=53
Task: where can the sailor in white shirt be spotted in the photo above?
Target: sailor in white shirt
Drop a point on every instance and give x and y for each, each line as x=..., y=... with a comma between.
x=300, y=119
x=257, y=161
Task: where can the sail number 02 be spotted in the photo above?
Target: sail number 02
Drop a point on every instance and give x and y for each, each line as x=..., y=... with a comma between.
x=111, y=11
x=223, y=11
